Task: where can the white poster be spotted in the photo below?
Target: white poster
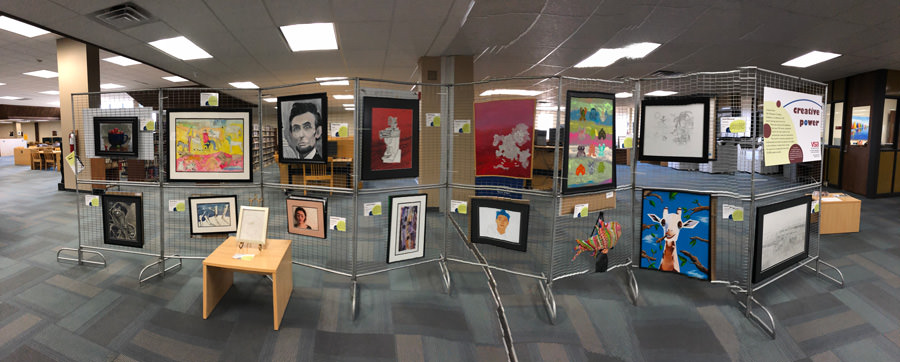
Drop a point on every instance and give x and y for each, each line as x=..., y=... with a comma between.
x=792, y=126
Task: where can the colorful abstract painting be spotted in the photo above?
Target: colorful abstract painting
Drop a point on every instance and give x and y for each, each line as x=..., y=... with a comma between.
x=407, y=231
x=390, y=138
x=504, y=138
x=675, y=232
x=590, y=142
x=209, y=146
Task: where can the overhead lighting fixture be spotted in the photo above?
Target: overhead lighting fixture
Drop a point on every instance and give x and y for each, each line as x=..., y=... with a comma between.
x=50, y=92
x=54, y=103
x=18, y=27
x=111, y=86
x=606, y=56
x=812, y=58
x=348, y=105
x=624, y=95
x=511, y=92
x=660, y=93
x=244, y=85
x=2, y=83
x=343, y=96
x=315, y=36
x=271, y=100
x=123, y=61
x=333, y=81
x=43, y=74
x=181, y=48
x=11, y=98
x=175, y=79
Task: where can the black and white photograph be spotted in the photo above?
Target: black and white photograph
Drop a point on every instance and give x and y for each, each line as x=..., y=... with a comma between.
x=302, y=128
x=674, y=129
x=782, y=236
x=123, y=220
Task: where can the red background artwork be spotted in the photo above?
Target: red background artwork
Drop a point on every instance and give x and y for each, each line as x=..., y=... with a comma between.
x=380, y=122
x=501, y=118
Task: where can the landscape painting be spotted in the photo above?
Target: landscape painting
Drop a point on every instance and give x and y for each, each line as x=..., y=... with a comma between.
x=782, y=236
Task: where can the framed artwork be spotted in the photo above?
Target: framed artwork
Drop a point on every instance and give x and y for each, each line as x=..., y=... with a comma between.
x=590, y=142
x=390, y=138
x=254, y=224
x=674, y=129
x=115, y=136
x=407, y=231
x=209, y=145
x=500, y=223
x=782, y=236
x=504, y=138
x=302, y=128
x=212, y=214
x=123, y=219
x=306, y=216
x=676, y=232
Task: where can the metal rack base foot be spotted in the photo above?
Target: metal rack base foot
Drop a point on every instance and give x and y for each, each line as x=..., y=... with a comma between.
x=632, y=285
x=161, y=271
x=79, y=259
x=769, y=327
x=819, y=272
x=354, y=299
x=548, y=298
x=445, y=275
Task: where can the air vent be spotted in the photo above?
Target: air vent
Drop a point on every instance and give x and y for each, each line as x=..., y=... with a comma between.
x=124, y=16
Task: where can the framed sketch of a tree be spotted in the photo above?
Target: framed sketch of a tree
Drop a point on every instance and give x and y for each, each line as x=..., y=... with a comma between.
x=674, y=129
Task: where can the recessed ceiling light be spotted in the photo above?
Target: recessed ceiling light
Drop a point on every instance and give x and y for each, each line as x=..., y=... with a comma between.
x=346, y=105
x=271, y=100
x=50, y=92
x=181, y=48
x=2, y=83
x=315, y=36
x=343, y=96
x=111, y=86
x=244, y=85
x=511, y=92
x=604, y=56
x=812, y=58
x=333, y=80
x=175, y=79
x=18, y=27
x=660, y=93
x=123, y=61
x=43, y=74
x=623, y=95
x=11, y=98
x=54, y=103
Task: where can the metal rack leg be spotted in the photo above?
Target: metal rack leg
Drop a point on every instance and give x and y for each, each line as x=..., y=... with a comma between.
x=80, y=256
x=632, y=284
x=748, y=312
x=445, y=274
x=161, y=271
x=354, y=299
x=549, y=300
x=820, y=273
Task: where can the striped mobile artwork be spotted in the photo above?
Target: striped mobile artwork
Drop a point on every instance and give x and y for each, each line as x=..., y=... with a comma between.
x=606, y=237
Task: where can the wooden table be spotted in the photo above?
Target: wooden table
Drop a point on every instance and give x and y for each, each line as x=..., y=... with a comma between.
x=839, y=216
x=274, y=260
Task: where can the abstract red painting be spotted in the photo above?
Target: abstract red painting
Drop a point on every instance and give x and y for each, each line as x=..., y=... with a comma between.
x=504, y=138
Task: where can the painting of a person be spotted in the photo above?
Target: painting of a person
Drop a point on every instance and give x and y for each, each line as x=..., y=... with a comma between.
x=300, y=219
x=495, y=223
x=502, y=221
x=303, y=132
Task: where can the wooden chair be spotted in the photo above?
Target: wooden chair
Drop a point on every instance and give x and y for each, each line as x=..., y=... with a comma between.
x=318, y=173
x=36, y=160
x=50, y=159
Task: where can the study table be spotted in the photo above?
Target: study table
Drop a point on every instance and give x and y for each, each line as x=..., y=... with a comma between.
x=274, y=260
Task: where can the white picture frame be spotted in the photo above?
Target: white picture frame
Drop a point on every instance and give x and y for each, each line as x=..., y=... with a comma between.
x=253, y=225
x=407, y=218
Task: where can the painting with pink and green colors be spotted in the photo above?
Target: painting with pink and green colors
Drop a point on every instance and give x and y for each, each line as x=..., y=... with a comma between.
x=209, y=146
x=590, y=142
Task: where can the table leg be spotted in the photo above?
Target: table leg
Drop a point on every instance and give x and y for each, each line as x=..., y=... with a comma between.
x=282, y=286
x=216, y=282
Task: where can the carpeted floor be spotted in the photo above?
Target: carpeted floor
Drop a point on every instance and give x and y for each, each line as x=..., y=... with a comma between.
x=61, y=311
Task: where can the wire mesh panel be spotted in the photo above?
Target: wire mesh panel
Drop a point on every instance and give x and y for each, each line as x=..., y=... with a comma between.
x=129, y=222
x=184, y=240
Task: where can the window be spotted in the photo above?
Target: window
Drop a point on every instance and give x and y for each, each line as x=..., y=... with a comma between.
x=837, y=121
x=889, y=123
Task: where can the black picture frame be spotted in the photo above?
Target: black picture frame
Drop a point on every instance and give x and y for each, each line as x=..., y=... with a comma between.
x=480, y=205
x=568, y=190
x=648, y=105
x=395, y=230
x=285, y=107
x=763, y=241
x=370, y=170
x=123, y=220
x=198, y=229
x=102, y=124
x=200, y=114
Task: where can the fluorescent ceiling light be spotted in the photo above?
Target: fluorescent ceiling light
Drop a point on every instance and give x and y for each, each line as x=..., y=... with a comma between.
x=11, y=98
x=604, y=56
x=244, y=85
x=123, y=61
x=343, y=96
x=315, y=36
x=175, y=79
x=624, y=95
x=271, y=100
x=348, y=105
x=511, y=92
x=50, y=92
x=18, y=27
x=111, y=86
x=660, y=93
x=2, y=83
x=43, y=74
x=333, y=80
x=54, y=103
x=181, y=48
x=811, y=58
